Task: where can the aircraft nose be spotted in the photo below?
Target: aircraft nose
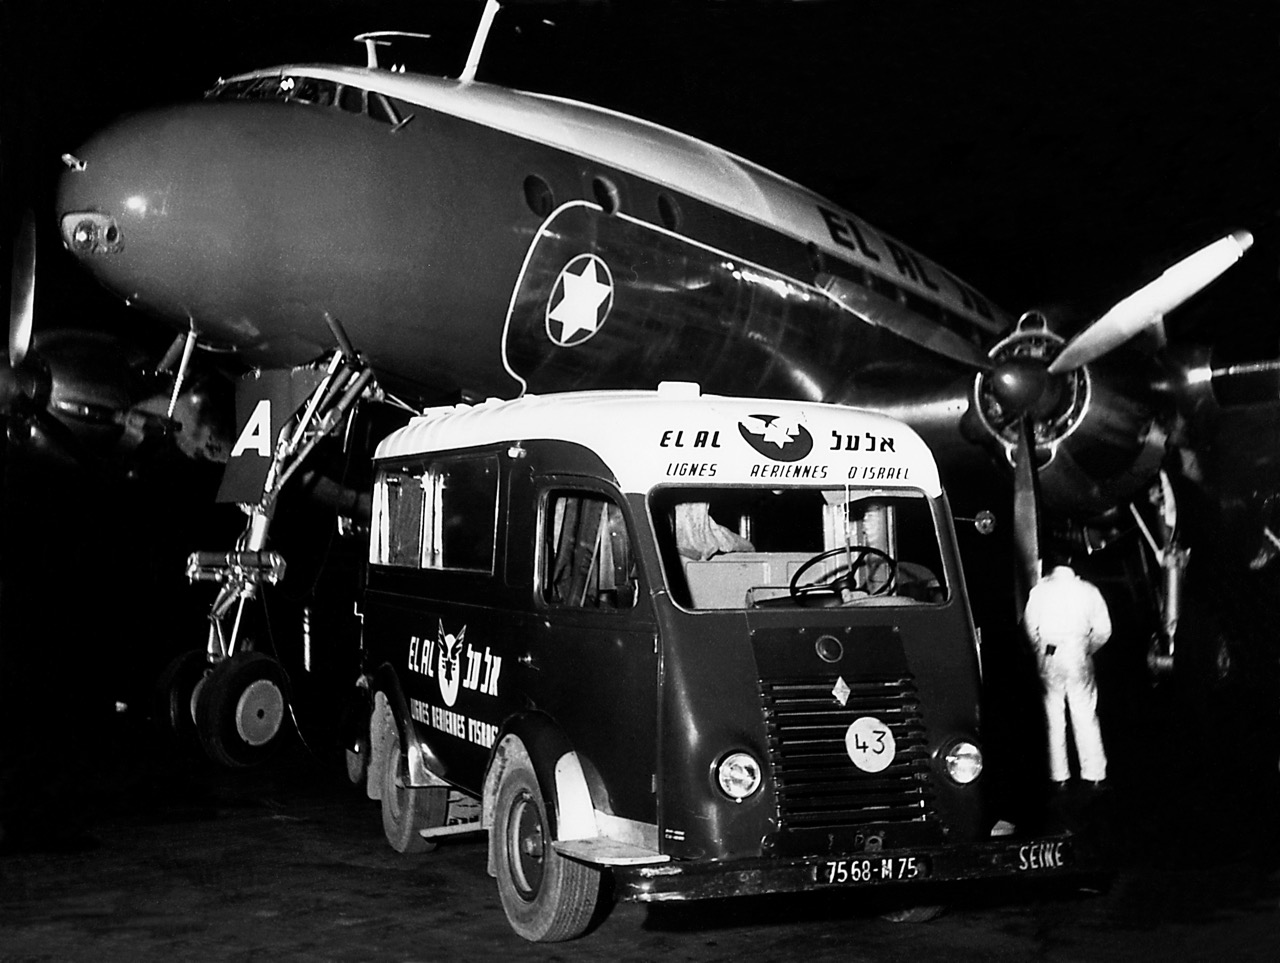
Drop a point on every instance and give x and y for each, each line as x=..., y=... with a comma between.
x=110, y=196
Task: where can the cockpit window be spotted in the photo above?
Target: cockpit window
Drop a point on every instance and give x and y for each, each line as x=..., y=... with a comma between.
x=309, y=90
x=255, y=88
x=740, y=548
x=302, y=90
x=322, y=93
x=381, y=109
x=351, y=99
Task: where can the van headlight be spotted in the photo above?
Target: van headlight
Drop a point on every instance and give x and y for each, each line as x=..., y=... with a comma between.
x=963, y=761
x=738, y=775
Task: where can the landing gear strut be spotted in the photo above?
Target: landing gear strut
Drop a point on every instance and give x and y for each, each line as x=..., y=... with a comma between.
x=241, y=703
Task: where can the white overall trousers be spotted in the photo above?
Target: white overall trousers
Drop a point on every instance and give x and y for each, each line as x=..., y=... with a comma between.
x=1067, y=621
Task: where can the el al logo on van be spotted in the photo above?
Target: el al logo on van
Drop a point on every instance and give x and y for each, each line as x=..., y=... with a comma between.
x=781, y=439
x=442, y=658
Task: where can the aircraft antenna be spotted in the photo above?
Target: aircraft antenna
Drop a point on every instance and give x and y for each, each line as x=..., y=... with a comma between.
x=377, y=38
x=477, y=44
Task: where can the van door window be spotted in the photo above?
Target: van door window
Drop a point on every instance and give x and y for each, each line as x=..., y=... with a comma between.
x=441, y=517
x=586, y=553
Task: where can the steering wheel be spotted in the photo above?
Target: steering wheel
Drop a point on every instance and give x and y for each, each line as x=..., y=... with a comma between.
x=858, y=557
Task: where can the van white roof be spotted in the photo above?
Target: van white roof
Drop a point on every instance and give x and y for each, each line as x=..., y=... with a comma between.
x=674, y=435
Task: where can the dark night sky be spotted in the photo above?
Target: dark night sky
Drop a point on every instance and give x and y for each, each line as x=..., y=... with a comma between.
x=1055, y=153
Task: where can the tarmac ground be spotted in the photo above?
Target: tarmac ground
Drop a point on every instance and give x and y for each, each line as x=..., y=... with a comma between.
x=151, y=854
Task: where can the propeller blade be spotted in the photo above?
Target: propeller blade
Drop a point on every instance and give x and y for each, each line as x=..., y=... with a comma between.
x=1147, y=306
x=22, y=295
x=1026, y=514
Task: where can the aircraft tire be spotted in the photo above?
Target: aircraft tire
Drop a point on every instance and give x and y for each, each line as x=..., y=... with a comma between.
x=408, y=809
x=914, y=914
x=547, y=897
x=176, y=690
x=241, y=710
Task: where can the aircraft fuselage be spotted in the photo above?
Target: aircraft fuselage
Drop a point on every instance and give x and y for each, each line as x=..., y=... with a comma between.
x=481, y=241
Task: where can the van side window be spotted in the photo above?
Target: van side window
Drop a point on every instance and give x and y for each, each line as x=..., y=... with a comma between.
x=586, y=553
x=462, y=514
x=397, y=516
x=441, y=517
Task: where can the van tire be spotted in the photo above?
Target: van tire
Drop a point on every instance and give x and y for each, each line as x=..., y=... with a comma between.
x=547, y=898
x=408, y=809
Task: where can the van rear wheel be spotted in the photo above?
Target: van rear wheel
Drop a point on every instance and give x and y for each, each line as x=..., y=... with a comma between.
x=547, y=898
x=408, y=809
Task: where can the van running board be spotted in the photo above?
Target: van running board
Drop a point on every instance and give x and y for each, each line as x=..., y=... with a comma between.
x=454, y=829
x=463, y=817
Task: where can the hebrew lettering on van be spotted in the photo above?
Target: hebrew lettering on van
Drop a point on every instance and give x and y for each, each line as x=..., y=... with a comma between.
x=855, y=442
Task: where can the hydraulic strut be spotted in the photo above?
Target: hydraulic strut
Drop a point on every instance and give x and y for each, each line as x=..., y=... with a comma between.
x=240, y=572
x=1172, y=557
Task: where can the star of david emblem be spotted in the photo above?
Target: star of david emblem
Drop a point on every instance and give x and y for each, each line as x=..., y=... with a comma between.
x=580, y=301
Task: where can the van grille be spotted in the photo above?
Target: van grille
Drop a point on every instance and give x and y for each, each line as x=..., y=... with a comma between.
x=818, y=786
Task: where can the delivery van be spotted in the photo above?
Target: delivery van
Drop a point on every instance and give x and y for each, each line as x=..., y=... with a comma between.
x=707, y=646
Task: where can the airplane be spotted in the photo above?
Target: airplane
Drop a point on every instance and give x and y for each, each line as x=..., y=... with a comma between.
x=356, y=238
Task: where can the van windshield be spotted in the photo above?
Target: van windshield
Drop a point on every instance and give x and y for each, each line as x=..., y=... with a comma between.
x=741, y=548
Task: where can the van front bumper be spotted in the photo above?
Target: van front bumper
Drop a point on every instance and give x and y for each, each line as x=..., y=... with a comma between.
x=1043, y=857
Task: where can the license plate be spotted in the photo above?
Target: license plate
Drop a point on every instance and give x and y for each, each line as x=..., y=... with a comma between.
x=1042, y=855
x=871, y=869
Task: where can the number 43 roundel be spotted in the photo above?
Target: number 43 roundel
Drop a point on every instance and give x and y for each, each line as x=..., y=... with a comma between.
x=870, y=744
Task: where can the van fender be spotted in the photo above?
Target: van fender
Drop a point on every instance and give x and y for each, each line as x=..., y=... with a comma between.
x=424, y=767
x=536, y=741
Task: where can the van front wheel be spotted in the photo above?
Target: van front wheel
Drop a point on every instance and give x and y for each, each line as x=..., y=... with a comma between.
x=546, y=897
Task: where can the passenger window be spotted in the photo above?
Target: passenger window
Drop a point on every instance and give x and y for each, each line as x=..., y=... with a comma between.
x=443, y=517
x=462, y=514
x=586, y=553
x=397, y=530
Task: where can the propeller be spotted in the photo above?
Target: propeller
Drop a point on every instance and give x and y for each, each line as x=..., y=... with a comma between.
x=24, y=381
x=1039, y=383
x=65, y=395
x=1146, y=307
x=22, y=292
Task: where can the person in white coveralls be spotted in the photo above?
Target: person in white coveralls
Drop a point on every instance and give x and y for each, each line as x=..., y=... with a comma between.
x=1067, y=621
